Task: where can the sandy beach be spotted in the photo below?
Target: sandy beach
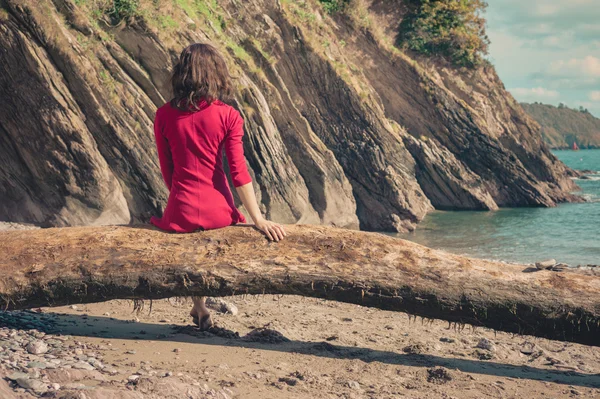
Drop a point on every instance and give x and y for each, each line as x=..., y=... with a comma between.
x=280, y=347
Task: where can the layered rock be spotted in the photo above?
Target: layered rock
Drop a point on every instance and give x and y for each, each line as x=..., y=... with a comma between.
x=341, y=127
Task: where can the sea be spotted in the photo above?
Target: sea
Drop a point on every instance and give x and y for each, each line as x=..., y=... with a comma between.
x=568, y=233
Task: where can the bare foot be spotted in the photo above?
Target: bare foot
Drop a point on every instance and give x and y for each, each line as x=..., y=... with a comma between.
x=202, y=319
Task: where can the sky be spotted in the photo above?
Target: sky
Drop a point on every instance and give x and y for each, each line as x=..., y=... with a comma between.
x=547, y=50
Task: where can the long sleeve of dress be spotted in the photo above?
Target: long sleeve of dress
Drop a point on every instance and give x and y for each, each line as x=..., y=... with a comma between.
x=164, y=152
x=234, y=150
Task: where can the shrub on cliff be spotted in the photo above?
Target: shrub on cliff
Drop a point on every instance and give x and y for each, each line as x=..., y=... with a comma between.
x=454, y=29
x=124, y=9
x=333, y=6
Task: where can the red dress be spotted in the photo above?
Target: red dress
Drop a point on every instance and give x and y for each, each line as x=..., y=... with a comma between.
x=190, y=147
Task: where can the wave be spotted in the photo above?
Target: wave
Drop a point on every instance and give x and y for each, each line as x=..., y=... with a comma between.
x=590, y=198
x=591, y=177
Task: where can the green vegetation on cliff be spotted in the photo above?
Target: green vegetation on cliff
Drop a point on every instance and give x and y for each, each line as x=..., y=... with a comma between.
x=562, y=126
x=453, y=29
x=332, y=6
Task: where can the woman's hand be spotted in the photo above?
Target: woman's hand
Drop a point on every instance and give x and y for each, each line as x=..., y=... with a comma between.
x=272, y=230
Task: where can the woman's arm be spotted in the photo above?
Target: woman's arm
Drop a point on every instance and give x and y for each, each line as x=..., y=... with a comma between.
x=272, y=230
x=164, y=152
x=234, y=150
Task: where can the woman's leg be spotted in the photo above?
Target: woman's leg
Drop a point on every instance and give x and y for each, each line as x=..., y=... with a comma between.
x=200, y=313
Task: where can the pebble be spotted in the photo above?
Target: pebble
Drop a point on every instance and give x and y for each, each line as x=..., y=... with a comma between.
x=354, y=385
x=16, y=375
x=37, y=347
x=110, y=370
x=527, y=348
x=95, y=363
x=486, y=344
x=438, y=375
x=35, y=385
x=38, y=365
x=83, y=366
x=222, y=306
x=545, y=264
x=289, y=380
x=76, y=386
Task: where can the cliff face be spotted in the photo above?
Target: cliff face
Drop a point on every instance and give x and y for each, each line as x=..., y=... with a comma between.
x=342, y=128
x=562, y=126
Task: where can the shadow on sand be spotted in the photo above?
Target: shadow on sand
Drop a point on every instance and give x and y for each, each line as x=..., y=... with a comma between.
x=106, y=327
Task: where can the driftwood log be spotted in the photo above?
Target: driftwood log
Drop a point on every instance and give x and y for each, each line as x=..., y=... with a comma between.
x=53, y=267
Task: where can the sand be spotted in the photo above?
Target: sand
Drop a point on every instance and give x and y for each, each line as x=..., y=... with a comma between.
x=307, y=348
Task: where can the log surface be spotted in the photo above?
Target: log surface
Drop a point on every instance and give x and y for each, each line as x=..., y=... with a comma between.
x=54, y=267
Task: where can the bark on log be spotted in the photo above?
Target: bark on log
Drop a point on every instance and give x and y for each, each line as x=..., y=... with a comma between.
x=55, y=267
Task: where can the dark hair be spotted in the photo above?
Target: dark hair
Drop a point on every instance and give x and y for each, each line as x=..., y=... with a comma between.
x=200, y=74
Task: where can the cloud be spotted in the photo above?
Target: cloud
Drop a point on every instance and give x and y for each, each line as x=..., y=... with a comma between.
x=535, y=20
x=534, y=94
x=543, y=10
x=547, y=50
x=581, y=73
x=584, y=67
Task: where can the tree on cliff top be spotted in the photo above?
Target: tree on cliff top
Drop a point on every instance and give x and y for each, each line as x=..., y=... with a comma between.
x=454, y=29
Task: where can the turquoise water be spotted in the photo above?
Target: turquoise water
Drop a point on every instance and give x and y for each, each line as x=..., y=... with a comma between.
x=569, y=233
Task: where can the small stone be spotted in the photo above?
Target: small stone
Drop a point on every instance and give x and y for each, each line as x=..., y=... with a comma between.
x=176, y=350
x=353, y=385
x=289, y=380
x=38, y=365
x=55, y=386
x=74, y=307
x=75, y=386
x=83, y=366
x=110, y=370
x=133, y=378
x=559, y=267
x=447, y=340
x=37, y=347
x=414, y=349
x=483, y=354
x=222, y=306
x=545, y=264
x=438, y=375
x=486, y=344
x=130, y=352
x=95, y=363
x=35, y=385
x=527, y=348
x=16, y=375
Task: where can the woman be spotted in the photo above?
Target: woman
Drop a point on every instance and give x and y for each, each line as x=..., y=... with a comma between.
x=191, y=132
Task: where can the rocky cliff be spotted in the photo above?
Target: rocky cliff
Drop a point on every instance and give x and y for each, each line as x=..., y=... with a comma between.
x=342, y=127
x=562, y=126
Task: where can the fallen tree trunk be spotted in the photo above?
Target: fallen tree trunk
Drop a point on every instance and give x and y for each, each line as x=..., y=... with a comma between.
x=55, y=267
